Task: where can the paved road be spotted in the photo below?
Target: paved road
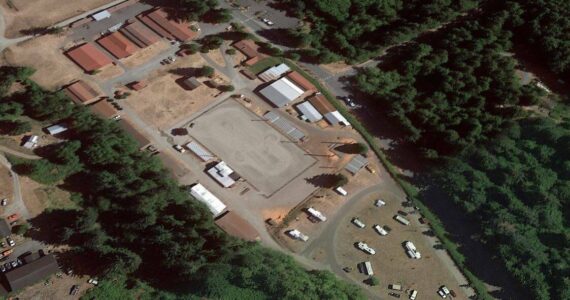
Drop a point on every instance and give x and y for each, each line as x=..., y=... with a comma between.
x=17, y=153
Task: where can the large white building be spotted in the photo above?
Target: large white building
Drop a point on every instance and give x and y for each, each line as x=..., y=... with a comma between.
x=281, y=92
x=201, y=194
x=222, y=173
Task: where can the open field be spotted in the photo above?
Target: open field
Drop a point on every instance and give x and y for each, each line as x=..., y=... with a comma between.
x=164, y=101
x=25, y=14
x=248, y=144
x=143, y=55
x=390, y=263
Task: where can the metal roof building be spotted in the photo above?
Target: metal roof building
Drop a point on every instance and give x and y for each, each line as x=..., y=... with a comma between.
x=81, y=93
x=201, y=194
x=356, y=164
x=88, y=57
x=56, y=129
x=274, y=72
x=336, y=118
x=32, y=272
x=140, y=34
x=281, y=92
x=191, y=83
x=159, y=21
x=309, y=111
x=104, y=14
x=285, y=126
x=222, y=173
x=200, y=151
x=321, y=103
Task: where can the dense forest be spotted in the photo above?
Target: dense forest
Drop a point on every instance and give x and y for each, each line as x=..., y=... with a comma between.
x=518, y=187
x=135, y=220
x=357, y=30
x=452, y=92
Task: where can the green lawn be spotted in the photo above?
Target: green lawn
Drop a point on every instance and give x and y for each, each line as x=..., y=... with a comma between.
x=265, y=63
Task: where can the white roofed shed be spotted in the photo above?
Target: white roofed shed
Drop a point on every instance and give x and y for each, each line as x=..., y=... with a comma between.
x=201, y=194
x=309, y=111
x=281, y=92
x=104, y=14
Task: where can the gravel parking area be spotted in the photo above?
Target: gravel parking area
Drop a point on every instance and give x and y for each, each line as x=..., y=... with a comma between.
x=262, y=155
x=390, y=263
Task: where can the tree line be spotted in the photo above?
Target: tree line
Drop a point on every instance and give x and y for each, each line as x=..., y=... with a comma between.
x=518, y=187
x=142, y=228
x=357, y=30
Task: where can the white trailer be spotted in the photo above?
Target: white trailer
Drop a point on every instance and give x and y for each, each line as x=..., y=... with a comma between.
x=402, y=220
x=316, y=214
x=296, y=234
x=367, y=268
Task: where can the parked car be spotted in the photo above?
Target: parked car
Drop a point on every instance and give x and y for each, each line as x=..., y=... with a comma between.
x=341, y=191
x=4, y=202
x=413, y=295
x=267, y=21
x=349, y=102
x=74, y=290
x=394, y=295
x=179, y=148
x=10, y=242
x=8, y=266
x=93, y=281
x=379, y=203
x=358, y=223
x=380, y=230
x=14, y=264
x=2, y=269
x=364, y=247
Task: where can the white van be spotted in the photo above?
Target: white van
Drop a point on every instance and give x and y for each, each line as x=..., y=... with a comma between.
x=341, y=191
x=413, y=295
x=358, y=223
x=402, y=220
x=367, y=268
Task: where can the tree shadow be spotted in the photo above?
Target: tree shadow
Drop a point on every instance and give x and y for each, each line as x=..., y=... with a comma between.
x=352, y=148
x=186, y=72
x=49, y=227
x=324, y=180
x=179, y=131
x=278, y=36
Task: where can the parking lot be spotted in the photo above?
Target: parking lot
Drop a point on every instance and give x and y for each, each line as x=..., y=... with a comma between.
x=391, y=264
x=263, y=156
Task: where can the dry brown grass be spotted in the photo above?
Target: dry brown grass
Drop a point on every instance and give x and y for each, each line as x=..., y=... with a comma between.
x=40, y=13
x=164, y=102
x=53, y=68
x=337, y=68
x=6, y=190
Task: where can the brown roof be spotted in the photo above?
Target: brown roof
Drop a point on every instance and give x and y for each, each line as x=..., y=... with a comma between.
x=235, y=225
x=159, y=17
x=88, y=57
x=103, y=109
x=135, y=133
x=118, y=45
x=247, y=47
x=150, y=23
x=32, y=272
x=321, y=104
x=301, y=81
x=81, y=93
x=138, y=85
x=140, y=34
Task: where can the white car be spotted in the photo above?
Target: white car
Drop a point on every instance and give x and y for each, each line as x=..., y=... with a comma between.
x=267, y=21
x=4, y=202
x=341, y=191
x=444, y=290
x=380, y=230
x=296, y=234
x=441, y=294
x=93, y=281
x=179, y=148
x=358, y=223
x=364, y=247
x=379, y=203
x=413, y=295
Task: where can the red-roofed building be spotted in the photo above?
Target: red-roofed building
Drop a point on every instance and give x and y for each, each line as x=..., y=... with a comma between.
x=140, y=34
x=118, y=45
x=81, y=93
x=88, y=57
x=249, y=49
x=158, y=21
x=138, y=85
x=301, y=81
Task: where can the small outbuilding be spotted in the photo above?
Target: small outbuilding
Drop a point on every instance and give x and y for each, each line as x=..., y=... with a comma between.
x=223, y=174
x=274, y=72
x=138, y=85
x=56, y=129
x=31, y=142
x=356, y=164
x=191, y=83
x=336, y=118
